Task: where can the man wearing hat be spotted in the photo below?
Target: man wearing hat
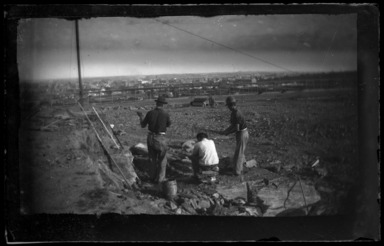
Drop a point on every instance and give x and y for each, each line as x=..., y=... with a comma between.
x=238, y=126
x=157, y=120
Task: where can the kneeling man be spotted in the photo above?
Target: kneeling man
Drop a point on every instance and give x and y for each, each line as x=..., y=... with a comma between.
x=204, y=156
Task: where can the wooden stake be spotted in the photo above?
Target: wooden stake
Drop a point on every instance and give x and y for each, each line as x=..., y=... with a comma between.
x=50, y=124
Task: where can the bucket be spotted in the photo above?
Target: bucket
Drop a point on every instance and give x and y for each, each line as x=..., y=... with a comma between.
x=170, y=189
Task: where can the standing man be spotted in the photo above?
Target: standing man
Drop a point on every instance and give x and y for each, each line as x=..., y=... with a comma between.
x=212, y=102
x=238, y=126
x=157, y=120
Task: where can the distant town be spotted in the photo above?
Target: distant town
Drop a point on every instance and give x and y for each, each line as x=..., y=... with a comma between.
x=125, y=88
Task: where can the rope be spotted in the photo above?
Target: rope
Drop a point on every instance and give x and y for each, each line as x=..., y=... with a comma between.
x=302, y=192
x=297, y=178
x=289, y=191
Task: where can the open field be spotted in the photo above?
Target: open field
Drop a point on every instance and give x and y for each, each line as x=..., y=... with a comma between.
x=288, y=133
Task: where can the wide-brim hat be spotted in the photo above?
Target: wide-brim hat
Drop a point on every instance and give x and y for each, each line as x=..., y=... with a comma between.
x=161, y=100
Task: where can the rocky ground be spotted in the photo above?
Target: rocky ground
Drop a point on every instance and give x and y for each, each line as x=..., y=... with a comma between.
x=301, y=158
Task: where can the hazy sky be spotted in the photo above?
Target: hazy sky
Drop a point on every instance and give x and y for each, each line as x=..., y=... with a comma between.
x=117, y=46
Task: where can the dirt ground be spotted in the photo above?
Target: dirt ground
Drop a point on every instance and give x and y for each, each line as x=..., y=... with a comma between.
x=288, y=133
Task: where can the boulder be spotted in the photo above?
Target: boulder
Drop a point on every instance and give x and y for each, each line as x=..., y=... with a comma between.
x=252, y=211
x=188, y=146
x=139, y=149
x=287, y=195
x=232, y=192
x=239, y=201
x=204, y=204
x=218, y=210
x=216, y=195
x=251, y=163
x=194, y=204
x=187, y=207
x=171, y=205
x=160, y=203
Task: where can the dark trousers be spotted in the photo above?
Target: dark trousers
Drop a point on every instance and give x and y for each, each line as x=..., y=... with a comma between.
x=197, y=168
x=157, y=151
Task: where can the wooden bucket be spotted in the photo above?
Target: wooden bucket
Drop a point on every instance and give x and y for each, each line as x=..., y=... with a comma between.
x=170, y=189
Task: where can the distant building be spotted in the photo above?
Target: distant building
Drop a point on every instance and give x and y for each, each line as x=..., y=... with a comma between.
x=169, y=94
x=200, y=102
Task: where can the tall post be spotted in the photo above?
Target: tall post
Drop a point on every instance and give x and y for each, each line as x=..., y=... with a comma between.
x=78, y=61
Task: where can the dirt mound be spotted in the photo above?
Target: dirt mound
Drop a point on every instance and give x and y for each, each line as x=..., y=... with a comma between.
x=86, y=141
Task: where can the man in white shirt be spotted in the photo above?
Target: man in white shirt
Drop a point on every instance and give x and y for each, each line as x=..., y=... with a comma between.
x=204, y=156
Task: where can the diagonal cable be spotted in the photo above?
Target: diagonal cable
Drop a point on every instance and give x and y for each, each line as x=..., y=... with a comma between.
x=329, y=48
x=225, y=46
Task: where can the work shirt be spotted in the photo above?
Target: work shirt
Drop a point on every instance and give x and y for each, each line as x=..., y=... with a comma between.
x=238, y=118
x=205, y=151
x=157, y=120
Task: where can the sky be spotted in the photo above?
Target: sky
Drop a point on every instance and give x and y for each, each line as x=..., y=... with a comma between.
x=125, y=46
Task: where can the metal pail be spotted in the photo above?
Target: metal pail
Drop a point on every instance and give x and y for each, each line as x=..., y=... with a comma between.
x=170, y=189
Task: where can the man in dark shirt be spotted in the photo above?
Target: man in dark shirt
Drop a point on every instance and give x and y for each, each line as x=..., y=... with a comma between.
x=157, y=120
x=238, y=126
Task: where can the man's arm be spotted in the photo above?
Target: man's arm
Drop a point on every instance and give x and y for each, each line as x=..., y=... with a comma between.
x=143, y=122
x=195, y=153
x=231, y=129
x=235, y=125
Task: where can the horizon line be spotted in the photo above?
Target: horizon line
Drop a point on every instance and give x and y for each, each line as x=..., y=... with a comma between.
x=168, y=74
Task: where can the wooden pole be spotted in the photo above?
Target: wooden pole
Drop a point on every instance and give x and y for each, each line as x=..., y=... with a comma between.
x=78, y=61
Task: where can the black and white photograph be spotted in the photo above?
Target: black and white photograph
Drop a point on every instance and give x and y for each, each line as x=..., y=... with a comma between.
x=170, y=119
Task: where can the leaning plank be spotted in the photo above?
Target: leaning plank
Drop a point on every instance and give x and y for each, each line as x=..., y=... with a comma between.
x=106, y=150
